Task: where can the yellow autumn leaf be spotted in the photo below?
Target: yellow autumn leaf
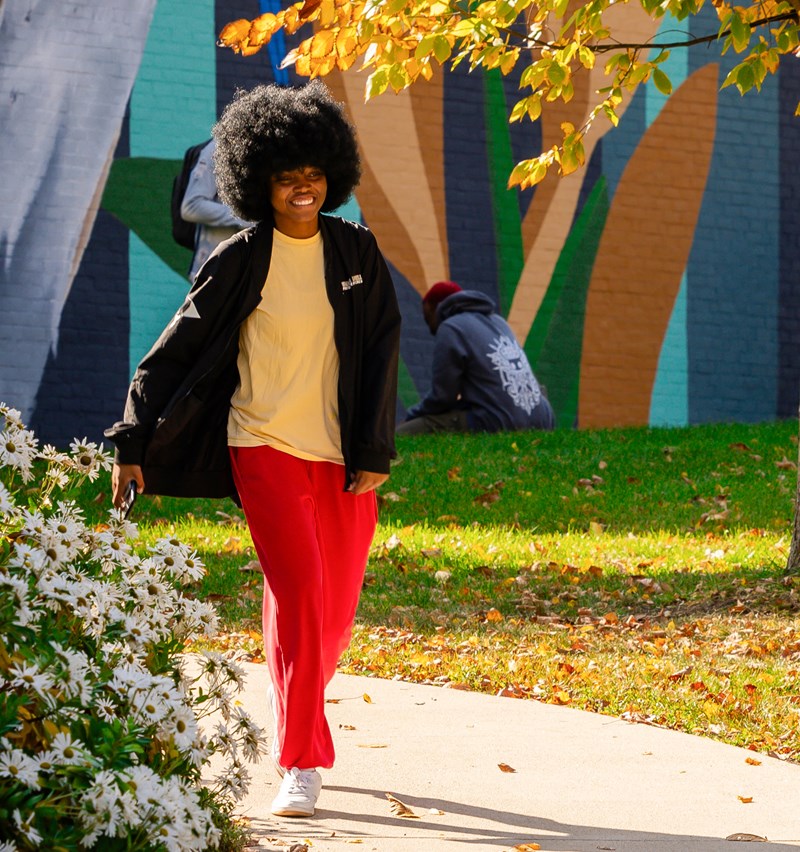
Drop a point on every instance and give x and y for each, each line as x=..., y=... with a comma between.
x=327, y=13
x=400, y=808
x=322, y=43
x=234, y=33
x=367, y=698
x=263, y=27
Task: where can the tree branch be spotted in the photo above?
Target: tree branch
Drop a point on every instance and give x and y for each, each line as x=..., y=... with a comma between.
x=605, y=48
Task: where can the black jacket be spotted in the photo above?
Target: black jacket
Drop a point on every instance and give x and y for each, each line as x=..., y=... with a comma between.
x=176, y=414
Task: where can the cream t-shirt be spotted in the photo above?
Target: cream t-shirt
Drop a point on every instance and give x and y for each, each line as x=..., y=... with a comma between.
x=288, y=365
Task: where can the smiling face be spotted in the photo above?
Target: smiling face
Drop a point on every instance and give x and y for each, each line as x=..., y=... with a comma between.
x=297, y=197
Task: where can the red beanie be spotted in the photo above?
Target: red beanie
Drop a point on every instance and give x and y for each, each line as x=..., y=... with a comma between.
x=439, y=292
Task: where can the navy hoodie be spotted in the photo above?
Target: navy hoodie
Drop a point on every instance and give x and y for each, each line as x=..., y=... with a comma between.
x=479, y=367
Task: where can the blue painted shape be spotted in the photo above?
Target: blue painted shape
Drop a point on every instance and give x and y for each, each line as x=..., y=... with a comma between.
x=470, y=230
x=732, y=305
x=526, y=136
x=669, y=403
x=789, y=293
x=277, y=44
x=620, y=142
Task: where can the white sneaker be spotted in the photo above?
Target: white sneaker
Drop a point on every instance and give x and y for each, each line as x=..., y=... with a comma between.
x=299, y=792
x=275, y=748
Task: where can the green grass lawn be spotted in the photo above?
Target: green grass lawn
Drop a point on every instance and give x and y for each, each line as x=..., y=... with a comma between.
x=636, y=572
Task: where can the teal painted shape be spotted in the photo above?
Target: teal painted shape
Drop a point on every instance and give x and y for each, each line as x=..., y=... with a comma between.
x=156, y=292
x=350, y=210
x=555, y=342
x=137, y=193
x=669, y=403
x=173, y=106
x=676, y=66
x=174, y=101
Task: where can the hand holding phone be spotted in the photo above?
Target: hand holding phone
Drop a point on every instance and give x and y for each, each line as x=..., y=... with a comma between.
x=128, y=499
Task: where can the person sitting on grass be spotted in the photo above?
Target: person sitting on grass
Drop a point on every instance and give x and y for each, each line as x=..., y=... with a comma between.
x=481, y=379
x=275, y=383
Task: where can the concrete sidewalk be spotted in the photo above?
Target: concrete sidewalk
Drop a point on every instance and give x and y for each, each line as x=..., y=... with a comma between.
x=583, y=782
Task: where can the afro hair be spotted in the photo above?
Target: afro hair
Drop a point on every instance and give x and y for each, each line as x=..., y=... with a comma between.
x=272, y=129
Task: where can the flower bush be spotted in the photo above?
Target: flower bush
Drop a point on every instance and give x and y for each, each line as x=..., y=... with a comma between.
x=102, y=743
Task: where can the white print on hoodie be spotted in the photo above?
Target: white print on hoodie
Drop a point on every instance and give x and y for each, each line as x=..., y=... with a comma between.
x=515, y=373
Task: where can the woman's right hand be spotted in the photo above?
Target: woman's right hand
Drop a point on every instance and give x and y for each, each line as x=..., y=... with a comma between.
x=121, y=475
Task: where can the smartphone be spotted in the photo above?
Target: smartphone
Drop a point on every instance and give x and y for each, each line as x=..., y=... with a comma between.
x=129, y=499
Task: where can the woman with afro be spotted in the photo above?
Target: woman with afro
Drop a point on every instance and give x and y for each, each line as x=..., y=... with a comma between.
x=275, y=383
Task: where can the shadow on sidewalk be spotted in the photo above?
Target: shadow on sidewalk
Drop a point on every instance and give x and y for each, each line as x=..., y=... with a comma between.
x=487, y=828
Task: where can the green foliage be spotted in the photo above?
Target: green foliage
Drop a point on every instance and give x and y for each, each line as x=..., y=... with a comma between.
x=404, y=40
x=100, y=741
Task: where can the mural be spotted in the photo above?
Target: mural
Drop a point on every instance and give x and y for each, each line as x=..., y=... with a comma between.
x=660, y=284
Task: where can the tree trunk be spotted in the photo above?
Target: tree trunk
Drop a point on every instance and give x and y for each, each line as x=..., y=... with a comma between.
x=793, y=562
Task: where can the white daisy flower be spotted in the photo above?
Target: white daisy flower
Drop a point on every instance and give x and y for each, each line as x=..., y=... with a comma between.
x=145, y=785
x=27, y=676
x=17, y=765
x=181, y=726
x=12, y=416
x=25, y=827
x=18, y=450
x=66, y=751
x=89, y=459
x=8, y=507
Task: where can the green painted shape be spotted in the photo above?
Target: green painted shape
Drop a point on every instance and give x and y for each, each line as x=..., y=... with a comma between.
x=555, y=342
x=406, y=389
x=138, y=193
x=505, y=203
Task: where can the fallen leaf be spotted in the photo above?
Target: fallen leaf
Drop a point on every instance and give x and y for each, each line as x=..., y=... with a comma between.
x=504, y=767
x=494, y=615
x=348, y=727
x=367, y=698
x=752, y=761
x=373, y=745
x=745, y=799
x=527, y=847
x=399, y=808
x=435, y=812
x=755, y=838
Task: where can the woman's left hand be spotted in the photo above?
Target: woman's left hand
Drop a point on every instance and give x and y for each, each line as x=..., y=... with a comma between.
x=366, y=480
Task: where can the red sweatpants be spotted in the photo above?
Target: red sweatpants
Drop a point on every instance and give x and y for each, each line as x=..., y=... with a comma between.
x=312, y=540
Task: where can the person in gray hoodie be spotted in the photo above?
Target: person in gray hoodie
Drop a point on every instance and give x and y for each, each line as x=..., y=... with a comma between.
x=481, y=379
